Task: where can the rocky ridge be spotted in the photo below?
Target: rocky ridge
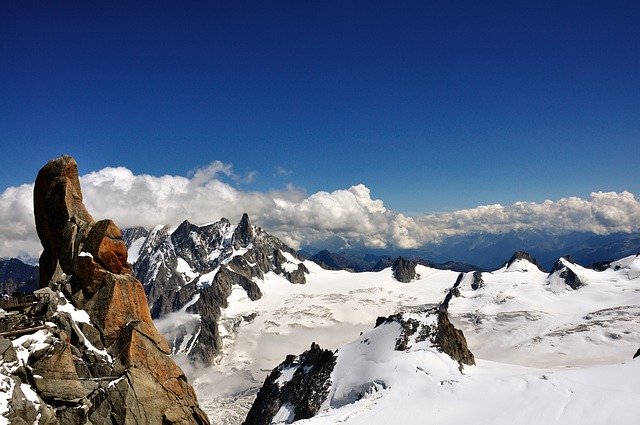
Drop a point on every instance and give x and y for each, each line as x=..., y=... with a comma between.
x=95, y=355
x=193, y=269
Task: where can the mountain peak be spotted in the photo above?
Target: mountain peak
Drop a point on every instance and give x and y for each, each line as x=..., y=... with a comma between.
x=243, y=235
x=519, y=256
x=404, y=270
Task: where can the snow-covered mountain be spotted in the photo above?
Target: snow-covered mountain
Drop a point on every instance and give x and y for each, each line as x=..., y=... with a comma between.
x=516, y=317
x=224, y=296
x=192, y=270
x=548, y=350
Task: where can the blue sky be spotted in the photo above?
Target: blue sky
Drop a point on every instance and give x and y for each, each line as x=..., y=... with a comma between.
x=434, y=106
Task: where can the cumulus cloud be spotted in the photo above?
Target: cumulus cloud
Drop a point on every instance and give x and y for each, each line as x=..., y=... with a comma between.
x=350, y=217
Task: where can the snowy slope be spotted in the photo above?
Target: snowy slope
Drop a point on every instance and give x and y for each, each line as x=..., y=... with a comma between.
x=520, y=316
x=523, y=316
x=494, y=393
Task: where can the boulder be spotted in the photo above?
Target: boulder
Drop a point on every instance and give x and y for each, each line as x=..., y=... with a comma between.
x=298, y=275
x=55, y=375
x=105, y=243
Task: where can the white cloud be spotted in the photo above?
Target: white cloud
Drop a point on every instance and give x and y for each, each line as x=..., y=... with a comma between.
x=350, y=216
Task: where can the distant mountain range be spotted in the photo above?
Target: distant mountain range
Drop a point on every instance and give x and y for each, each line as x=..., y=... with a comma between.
x=488, y=251
x=479, y=251
x=15, y=275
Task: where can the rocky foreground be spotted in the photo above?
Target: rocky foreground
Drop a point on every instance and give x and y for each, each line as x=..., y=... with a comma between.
x=97, y=356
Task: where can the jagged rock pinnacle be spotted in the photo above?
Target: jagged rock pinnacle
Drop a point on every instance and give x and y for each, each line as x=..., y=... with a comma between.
x=93, y=255
x=404, y=270
x=243, y=235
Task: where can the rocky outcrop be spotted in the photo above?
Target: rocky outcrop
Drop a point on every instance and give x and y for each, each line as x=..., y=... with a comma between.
x=298, y=276
x=299, y=385
x=243, y=235
x=477, y=282
x=62, y=221
x=637, y=354
x=453, y=292
x=522, y=255
x=320, y=379
x=404, y=270
x=431, y=325
x=562, y=269
x=107, y=364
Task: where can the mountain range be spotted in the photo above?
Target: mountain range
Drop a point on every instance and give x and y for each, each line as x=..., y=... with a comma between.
x=234, y=301
x=488, y=250
x=380, y=338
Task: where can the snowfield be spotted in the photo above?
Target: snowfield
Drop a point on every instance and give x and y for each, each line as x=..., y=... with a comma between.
x=545, y=353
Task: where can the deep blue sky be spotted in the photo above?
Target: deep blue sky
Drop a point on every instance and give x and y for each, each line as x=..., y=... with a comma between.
x=432, y=105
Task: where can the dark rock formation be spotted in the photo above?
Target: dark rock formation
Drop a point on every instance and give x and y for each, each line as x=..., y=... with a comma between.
x=477, y=281
x=298, y=276
x=304, y=392
x=565, y=272
x=453, y=292
x=404, y=270
x=521, y=255
x=440, y=332
x=637, y=354
x=300, y=385
x=600, y=265
x=115, y=368
x=243, y=235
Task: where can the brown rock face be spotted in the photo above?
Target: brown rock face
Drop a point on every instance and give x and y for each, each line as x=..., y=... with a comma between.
x=104, y=242
x=120, y=300
x=93, y=253
x=60, y=216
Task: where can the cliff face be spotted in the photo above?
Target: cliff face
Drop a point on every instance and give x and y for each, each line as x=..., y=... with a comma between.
x=97, y=358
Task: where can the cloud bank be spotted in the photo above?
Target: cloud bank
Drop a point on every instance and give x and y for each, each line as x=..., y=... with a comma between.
x=349, y=216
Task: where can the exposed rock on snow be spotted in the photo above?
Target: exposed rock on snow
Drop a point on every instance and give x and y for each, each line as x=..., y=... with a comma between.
x=302, y=386
x=522, y=255
x=431, y=325
x=404, y=270
x=477, y=281
x=295, y=389
x=563, y=269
